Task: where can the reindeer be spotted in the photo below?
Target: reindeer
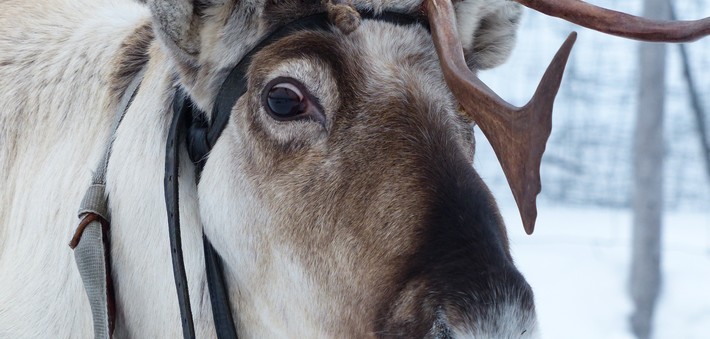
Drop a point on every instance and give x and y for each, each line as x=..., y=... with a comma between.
x=336, y=191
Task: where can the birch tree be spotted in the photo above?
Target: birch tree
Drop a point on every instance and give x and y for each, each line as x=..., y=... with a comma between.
x=645, y=277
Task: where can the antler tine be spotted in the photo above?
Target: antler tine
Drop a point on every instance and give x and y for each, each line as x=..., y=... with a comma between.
x=517, y=135
x=621, y=24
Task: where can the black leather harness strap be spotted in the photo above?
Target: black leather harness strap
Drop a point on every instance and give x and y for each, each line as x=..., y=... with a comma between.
x=191, y=126
x=219, y=294
x=172, y=205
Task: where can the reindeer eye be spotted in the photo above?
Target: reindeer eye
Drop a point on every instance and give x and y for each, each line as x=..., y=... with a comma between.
x=284, y=100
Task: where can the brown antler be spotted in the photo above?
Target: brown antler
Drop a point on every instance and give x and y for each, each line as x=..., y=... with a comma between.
x=518, y=135
x=621, y=24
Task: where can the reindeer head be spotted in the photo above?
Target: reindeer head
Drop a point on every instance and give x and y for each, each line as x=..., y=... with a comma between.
x=340, y=194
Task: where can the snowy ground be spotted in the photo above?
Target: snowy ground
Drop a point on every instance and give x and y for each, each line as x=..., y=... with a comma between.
x=577, y=263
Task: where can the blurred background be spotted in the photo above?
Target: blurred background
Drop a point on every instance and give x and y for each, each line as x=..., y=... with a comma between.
x=579, y=260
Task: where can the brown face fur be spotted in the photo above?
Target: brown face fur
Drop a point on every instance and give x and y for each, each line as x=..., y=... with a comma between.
x=378, y=205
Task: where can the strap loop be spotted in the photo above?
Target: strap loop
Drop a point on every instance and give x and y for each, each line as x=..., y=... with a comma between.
x=94, y=201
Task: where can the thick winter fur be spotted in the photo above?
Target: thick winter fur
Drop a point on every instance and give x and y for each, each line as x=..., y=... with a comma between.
x=369, y=222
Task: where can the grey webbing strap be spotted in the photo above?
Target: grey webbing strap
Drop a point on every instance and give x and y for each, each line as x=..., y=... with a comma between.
x=91, y=239
x=91, y=253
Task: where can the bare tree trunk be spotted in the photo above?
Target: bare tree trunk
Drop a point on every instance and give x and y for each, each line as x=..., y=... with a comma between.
x=695, y=102
x=645, y=278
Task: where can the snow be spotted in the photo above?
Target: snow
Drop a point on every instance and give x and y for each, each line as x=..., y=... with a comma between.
x=577, y=264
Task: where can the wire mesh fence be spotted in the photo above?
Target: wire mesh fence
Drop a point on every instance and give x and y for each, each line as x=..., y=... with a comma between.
x=588, y=158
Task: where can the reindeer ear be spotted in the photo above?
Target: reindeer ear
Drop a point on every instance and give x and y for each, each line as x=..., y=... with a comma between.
x=178, y=24
x=183, y=27
x=487, y=30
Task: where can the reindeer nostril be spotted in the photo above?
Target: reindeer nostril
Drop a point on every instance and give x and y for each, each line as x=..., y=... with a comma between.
x=441, y=328
x=444, y=335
